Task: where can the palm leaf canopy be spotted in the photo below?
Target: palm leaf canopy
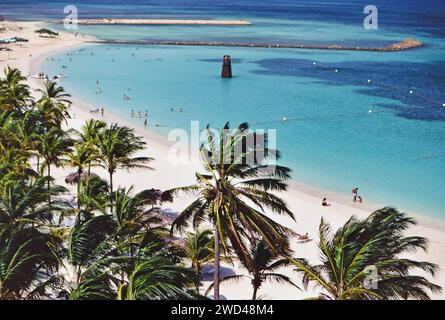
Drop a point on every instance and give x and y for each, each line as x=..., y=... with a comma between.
x=362, y=260
x=236, y=190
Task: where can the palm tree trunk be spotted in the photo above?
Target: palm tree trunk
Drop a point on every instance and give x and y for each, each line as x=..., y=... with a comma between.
x=216, y=272
x=111, y=191
x=79, y=173
x=48, y=183
x=255, y=290
x=198, y=274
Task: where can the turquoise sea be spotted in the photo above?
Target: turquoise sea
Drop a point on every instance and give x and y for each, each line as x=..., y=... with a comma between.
x=395, y=154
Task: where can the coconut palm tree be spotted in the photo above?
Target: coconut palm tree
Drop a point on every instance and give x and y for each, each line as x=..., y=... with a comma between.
x=93, y=195
x=27, y=131
x=88, y=135
x=52, y=147
x=234, y=192
x=23, y=203
x=54, y=104
x=131, y=214
x=155, y=276
x=13, y=164
x=199, y=249
x=363, y=260
x=29, y=261
x=263, y=267
x=14, y=94
x=90, y=246
x=81, y=156
x=118, y=147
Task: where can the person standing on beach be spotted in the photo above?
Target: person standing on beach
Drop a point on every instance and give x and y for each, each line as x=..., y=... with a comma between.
x=354, y=194
x=102, y=111
x=146, y=114
x=145, y=122
x=132, y=113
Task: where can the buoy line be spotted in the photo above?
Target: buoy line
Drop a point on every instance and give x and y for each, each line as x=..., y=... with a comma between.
x=403, y=90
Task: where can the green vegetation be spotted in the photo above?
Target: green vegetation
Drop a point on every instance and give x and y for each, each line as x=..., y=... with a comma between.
x=104, y=241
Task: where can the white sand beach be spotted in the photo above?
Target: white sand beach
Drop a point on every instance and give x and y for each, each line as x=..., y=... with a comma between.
x=304, y=201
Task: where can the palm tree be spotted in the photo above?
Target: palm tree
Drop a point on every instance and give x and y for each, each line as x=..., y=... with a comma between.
x=54, y=104
x=88, y=135
x=117, y=149
x=53, y=145
x=93, y=195
x=29, y=261
x=263, y=267
x=13, y=164
x=155, y=276
x=234, y=193
x=27, y=132
x=14, y=94
x=199, y=249
x=23, y=203
x=81, y=156
x=90, y=245
x=131, y=214
x=361, y=260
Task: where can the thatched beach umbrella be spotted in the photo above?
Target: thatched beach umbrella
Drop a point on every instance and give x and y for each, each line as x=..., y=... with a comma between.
x=46, y=32
x=156, y=196
x=75, y=177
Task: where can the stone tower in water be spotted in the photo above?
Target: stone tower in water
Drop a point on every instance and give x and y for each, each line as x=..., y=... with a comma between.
x=227, y=67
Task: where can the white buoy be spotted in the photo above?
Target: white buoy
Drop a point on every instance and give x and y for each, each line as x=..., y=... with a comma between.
x=370, y=111
x=369, y=80
x=284, y=119
x=443, y=105
x=336, y=70
x=411, y=91
x=314, y=63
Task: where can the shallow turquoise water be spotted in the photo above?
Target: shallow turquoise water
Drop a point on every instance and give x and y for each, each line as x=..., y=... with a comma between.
x=335, y=143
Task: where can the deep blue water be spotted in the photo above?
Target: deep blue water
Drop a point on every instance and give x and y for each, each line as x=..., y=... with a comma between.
x=394, y=154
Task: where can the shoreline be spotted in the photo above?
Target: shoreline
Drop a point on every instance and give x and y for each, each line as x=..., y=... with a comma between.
x=304, y=200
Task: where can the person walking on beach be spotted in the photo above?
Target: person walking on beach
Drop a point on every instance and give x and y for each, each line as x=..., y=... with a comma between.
x=354, y=194
x=146, y=114
x=102, y=111
x=139, y=115
x=145, y=122
x=132, y=113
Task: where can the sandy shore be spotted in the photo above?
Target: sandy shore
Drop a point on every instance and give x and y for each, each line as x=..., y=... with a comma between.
x=303, y=200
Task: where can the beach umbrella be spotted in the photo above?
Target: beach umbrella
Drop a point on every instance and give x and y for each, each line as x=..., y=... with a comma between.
x=156, y=196
x=75, y=177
